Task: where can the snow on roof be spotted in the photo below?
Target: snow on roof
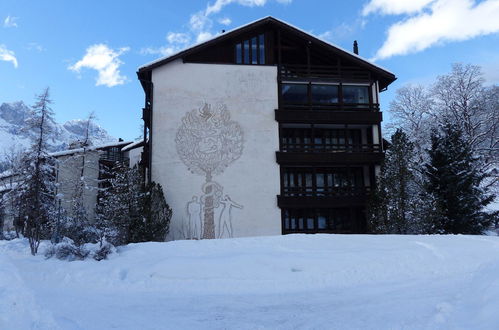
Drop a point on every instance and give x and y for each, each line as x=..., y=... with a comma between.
x=133, y=145
x=91, y=148
x=253, y=22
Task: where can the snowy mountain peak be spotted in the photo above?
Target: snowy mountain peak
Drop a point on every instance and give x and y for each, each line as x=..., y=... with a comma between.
x=14, y=134
x=14, y=113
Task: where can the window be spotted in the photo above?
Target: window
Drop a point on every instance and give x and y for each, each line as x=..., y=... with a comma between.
x=251, y=51
x=294, y=93
x=261, y=43
x=254, y=51
x=335, y=220
x=356, y=94
x=239, y=53
x=246, y=52
x=331, y=181
x=324, y=94
x=309, y=138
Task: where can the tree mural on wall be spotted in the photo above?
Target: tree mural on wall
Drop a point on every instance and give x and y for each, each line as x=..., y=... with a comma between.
x=208, y=141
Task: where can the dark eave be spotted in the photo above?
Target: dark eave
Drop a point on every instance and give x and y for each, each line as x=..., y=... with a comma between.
x=386, y=76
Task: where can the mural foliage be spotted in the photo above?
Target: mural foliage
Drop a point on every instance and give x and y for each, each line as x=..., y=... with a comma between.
x=208, y=141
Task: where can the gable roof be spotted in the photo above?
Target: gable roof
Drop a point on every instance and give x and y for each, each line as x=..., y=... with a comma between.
x=266, y=20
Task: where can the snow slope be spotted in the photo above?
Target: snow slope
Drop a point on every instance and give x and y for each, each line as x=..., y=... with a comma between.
x=283, y=282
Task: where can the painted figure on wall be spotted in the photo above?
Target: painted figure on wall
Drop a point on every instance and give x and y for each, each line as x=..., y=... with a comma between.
x=208, y=141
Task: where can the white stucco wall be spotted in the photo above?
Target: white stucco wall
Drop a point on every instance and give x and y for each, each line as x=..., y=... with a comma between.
x=250, y=95
x=69, y=170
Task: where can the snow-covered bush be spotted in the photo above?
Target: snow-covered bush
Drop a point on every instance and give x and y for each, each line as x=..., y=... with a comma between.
x=68, y=250
x=103, y=251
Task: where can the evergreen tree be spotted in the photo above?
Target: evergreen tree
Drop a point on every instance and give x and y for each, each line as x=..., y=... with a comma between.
x=120, y=208
x=130, y=213
x=155, y=221
x=454, y=184
x=393, y=206
x=36, y=196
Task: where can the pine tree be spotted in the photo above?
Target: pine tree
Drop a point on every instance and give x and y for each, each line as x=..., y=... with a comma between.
x=155, y=221
x=120, y=205
x=454, y=184
x=393, y=207
x=36, y=197
x=128, y=212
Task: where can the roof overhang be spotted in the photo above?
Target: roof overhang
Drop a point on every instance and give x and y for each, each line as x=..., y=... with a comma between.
x=387, y=77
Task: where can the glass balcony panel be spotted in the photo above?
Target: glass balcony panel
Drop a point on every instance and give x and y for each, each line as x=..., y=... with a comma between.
x=356, y=94
x=295, y=93
x=324, y=94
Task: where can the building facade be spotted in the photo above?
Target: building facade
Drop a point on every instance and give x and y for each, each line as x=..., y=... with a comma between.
x=93, y=164
x=263, y=130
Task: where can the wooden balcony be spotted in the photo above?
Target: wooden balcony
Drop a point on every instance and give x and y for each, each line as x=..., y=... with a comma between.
x=321, y=116
x=338, y=73
x=330, y=147
x=328, y=158
x=325, y=197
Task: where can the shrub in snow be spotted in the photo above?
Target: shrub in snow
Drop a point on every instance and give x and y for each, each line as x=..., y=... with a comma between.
x=103, y=251
x=67, y=250
x=9, y=235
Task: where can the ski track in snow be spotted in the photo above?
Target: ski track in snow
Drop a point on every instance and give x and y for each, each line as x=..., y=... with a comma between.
x=282, y=282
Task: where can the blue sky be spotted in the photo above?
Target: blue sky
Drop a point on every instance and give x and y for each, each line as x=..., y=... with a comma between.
x=88, y=51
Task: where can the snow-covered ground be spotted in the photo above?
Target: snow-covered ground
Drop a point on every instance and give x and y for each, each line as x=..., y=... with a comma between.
x=284, y=282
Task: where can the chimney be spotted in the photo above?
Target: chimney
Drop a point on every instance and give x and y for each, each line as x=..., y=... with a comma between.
x=355, y=47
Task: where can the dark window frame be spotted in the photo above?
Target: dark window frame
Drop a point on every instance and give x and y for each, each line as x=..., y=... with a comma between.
x=251, y=52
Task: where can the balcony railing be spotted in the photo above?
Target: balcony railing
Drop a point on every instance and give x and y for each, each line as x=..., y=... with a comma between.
x=114, y=157
x=323, y=72
x=329, y=147
x=325, y=191
x=332, y=106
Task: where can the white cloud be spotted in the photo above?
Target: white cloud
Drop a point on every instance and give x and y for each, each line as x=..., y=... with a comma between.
x=164, y=51
x=10, y=21
x=395, y=7
x=105, y=61
x=7, y=55
x=200, y=26
x=438, y=22
x=199, y=21
x=203, y=36
x=177, y=38
x=218, y=5
x=225, y=21
x=35, y=46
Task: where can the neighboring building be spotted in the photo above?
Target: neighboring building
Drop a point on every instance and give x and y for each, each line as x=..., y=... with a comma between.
x=98, y=162
x=263, y=130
